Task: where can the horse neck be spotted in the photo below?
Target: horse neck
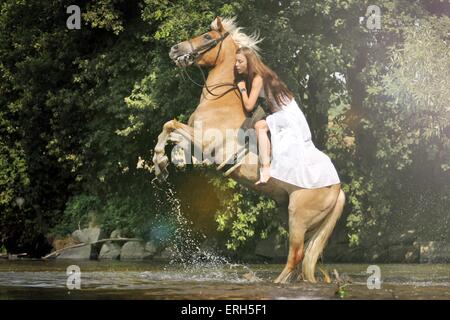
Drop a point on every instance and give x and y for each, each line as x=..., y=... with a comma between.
x=223, y=72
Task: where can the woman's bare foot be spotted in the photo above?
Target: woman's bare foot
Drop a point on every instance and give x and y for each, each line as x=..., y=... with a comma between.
x=264, y=175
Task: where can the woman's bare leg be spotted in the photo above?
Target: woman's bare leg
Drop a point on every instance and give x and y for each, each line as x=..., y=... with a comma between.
x=264, y=150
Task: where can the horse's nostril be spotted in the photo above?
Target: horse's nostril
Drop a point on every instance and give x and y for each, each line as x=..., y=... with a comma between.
x=175, y=47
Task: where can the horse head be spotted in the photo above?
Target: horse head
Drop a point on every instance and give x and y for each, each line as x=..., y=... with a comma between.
x=203, y=50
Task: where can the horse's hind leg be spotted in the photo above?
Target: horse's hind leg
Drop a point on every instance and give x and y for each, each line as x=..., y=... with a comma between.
x=296, y=245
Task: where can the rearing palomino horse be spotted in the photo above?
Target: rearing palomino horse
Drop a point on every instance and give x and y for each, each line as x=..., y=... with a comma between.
x=310, y=210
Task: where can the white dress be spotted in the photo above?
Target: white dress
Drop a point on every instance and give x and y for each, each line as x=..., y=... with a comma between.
x=295, y=159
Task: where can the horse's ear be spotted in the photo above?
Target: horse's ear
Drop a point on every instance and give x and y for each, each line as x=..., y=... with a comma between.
x=219, y=23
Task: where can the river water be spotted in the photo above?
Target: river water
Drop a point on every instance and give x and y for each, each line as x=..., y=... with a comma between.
x=161, y=280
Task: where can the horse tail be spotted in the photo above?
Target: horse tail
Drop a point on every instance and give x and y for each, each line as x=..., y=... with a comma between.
x=319, y=239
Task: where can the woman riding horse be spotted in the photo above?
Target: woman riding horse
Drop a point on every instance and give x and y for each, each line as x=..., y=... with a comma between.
x=295, y=158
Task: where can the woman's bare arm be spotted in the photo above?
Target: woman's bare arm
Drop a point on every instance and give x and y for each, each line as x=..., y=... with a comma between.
x=250, y=100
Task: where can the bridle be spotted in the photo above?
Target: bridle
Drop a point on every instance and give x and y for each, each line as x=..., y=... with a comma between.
x=208, y=46
x=196, y=52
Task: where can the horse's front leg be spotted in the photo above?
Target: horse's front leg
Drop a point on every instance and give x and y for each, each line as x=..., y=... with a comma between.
x=171, y=129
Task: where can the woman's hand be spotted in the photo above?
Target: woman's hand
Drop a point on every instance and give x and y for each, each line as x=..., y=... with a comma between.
x=241, y=85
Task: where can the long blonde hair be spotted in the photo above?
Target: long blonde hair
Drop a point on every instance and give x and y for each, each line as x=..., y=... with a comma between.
x=272, y=84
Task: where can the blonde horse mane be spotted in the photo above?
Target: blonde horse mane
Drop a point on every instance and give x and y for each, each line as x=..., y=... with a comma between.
x=241, y=39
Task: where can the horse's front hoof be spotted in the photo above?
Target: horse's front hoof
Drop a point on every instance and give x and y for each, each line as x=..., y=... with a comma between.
x=160, y=162
x=163, y=176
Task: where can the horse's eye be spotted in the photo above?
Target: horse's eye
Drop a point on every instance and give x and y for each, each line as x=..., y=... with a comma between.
x=207, y=36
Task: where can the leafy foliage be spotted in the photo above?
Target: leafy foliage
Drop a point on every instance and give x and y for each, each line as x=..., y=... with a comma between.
x=245, y=215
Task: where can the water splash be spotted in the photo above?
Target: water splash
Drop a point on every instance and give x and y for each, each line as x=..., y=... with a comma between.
x=186, y=247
